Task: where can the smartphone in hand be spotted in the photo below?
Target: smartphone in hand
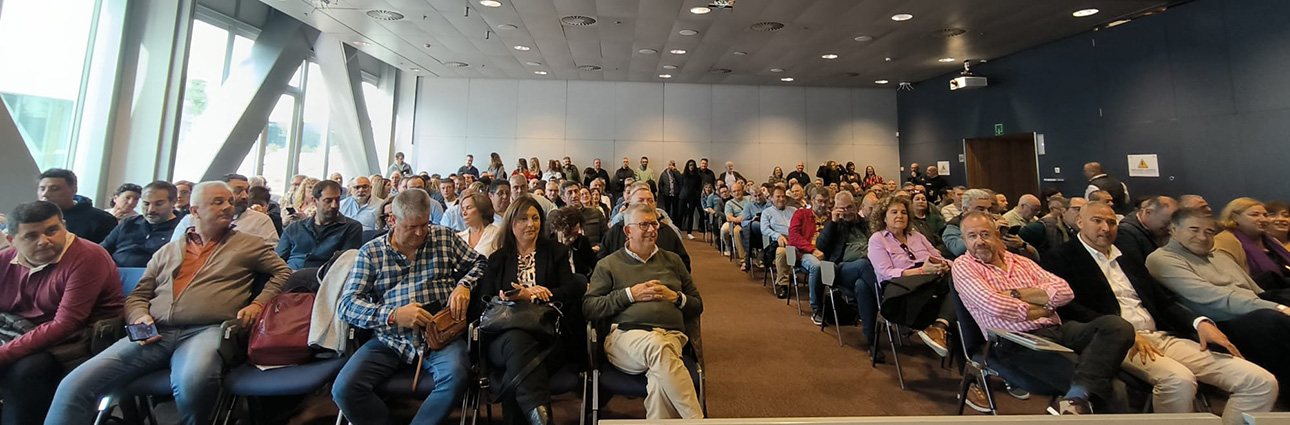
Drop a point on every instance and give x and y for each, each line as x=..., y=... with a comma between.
x=141, y=331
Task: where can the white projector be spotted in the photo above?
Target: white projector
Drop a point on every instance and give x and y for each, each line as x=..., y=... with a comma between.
x=967, y=82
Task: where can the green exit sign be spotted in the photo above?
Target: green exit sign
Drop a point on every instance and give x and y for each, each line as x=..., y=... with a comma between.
x=998, y=129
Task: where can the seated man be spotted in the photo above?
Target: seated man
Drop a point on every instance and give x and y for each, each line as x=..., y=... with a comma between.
x=416, y=264
x=1056, y=228
x=647, y=294
x=248, y=221
x=361, y=205
x=615, y=238
x=214, y=265
x=803, y=228
x=1007, y=291
x=732, y=229
x=751, y=219
x=60, y=284
x=982, y=200
x=1216, y=287
x=1025, y=211
x=133, y=242
x=312, y=242
x=418, y=182
x=1162, y=355
x=83, y=219
x=775, y=222
x=844, y=240
x=1146, y=229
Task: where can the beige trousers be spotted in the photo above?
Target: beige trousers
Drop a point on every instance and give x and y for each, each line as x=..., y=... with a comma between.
x=733, y=235
x=781, y=267
x=1174, y=378
x=657, y=354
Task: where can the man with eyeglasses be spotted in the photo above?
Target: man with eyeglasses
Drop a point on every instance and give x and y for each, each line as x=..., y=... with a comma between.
x=648, y=295
x=361, y=206
x=844, y=240
x=416, y=264
x=669, y=239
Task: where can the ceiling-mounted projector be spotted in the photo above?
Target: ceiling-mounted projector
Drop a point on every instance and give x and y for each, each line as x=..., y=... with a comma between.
x=967, y=80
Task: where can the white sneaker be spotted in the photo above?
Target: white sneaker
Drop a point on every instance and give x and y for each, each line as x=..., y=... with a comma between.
x=690, y=237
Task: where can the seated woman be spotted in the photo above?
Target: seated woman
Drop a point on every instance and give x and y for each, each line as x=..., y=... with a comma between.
x=567, y=224
x=1279, y=227
x=525, y=260
x=896, y=250
x=926, y=220
x=383, y=219
x=1246, y=240
x=776, y=176
x=480, y=233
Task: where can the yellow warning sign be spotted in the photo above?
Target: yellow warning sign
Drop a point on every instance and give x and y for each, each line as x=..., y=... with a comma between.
x=1144, y=165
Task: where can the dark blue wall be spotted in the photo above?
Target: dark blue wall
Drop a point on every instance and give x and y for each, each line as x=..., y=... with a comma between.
x=1206, y=86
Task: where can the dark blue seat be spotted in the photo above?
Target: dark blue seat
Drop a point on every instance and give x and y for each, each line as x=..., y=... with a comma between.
x=130, y=278
x=249, y=381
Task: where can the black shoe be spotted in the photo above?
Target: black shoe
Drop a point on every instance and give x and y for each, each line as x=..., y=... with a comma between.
x=781, y=291
x=878, y=356
x=817, y=318
x=540, y=415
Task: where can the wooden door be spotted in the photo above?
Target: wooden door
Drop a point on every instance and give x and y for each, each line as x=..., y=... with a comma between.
x=1006, y=164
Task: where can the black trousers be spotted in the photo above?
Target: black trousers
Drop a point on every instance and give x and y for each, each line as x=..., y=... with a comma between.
x=511, y=352
x=1263, y=336
x=689, y=207
x=1101, y=345
x=670, y=204
x=27, y=387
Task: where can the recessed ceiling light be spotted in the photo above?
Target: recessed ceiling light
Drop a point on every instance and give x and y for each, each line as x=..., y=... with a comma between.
x=506, y=27
x=700, y=10
x=1085, y=12
x=881, y=82
x=945, y=60
x=647, y=51
x=523, y=48
x=741, y=53
x=687, y=32
x=533, y=63
x=777, y=70
x=863, y=38
x=786, y=79
x=829, y=56
x=664, y=75
x=902, y=17
x=490, y=3
x=415, y=70
x=669, y=66
x=360, y=43
x=540, y=72
x=677, y=51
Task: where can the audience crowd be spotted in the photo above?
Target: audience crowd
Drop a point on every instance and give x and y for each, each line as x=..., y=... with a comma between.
x=1152, y=290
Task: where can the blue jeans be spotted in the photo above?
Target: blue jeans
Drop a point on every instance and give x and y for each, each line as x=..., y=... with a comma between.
x=374, y=363
x=811, y=264
x=860, y=273
x=191, y=353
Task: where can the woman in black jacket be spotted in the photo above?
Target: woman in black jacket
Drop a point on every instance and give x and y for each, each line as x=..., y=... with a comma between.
x=691, y=193
x=567, y=225
x=540, y=269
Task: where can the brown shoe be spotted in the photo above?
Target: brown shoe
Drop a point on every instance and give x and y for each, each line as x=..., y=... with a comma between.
x=1071, y=406
x=935, y=338
x=976, y=399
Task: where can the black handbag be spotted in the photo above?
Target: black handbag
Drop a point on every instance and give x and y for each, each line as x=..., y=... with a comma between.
x=914, y=301
x=541, y=320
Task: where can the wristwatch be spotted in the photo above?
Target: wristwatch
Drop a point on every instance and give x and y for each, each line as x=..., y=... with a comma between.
x=1016, y=294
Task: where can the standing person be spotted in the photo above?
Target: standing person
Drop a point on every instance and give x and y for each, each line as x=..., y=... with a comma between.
x=59, y=283
x=1099, y=180
x=691, y=193
x=935, y=183
x=469, y=167
x=416, y=264
x=798, y=174
x=124, y=202
x=597, y=173
x=571, y=171
x=618, y=185
x=59, y=186
x=496, y=167
x=1246, y=241
x=706, y=174
x=669, y=189
x=646, y=174
x=829, y=172
x=871, y=178
x=730, y=176
x=915, y=175
x=399, y=166
x=133, y=242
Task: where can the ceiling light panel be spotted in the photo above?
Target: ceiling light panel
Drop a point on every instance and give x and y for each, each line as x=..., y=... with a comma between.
x=902, y=17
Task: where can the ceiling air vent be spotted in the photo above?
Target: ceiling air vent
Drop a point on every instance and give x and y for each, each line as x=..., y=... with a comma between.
x=948, y=32
x=384, y=15
x=589, y=68
x=766, y=26
x=578, y=20
x=456, y=64
x=719, y=71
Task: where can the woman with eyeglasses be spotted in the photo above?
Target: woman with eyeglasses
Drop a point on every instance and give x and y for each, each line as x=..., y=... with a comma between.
x=526, y=266
x=896, y=250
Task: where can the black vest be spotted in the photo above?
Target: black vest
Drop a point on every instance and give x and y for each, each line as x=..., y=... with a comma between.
x=1113, y=186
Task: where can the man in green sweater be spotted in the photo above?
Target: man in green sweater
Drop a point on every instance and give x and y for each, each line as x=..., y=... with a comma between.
x=647, y=294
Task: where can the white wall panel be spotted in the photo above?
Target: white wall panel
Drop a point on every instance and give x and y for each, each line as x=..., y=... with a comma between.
x=492, y=108
x=583, y=152
x=441, y=107
x=544, y=149
x=783, y=115
x=590, y=110
x=828, y=116
x=439, y=154
x=481, y=147
x=747, y=159
x=687, y=113
x=736, y=113
x=541, y=108
x=885, y=161
x=683, y=151
x=786, y=156
x=822, y=153
x=635, y=149
x=638, y=111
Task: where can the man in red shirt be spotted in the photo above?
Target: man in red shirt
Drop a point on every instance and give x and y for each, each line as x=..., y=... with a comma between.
x=59, y=283
x=804, y=227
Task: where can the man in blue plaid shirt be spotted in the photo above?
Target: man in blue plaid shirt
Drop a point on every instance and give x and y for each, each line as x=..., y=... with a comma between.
x=416, y=263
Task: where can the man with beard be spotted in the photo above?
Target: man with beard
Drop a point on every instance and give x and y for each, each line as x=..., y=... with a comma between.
x=625, y=172
x=248, y=221
x=133, y=242
x=361, y=206
x=311, y=243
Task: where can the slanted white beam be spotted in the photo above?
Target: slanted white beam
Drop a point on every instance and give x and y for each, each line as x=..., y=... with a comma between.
x=349, y=120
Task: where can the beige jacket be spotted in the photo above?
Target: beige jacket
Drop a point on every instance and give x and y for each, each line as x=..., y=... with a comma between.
x=221, y=287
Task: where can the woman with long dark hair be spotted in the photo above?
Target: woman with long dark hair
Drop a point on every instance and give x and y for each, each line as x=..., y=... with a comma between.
x=495, y=166
x=871, y=178
x=534, y=269
x=691, y=193
x=776, y=176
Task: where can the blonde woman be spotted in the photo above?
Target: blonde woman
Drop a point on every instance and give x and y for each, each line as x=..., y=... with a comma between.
x=301, y=205
x=1246, y=240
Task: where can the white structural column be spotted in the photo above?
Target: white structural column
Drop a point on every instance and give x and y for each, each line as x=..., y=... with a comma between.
x=349, y=121
x=17, y=168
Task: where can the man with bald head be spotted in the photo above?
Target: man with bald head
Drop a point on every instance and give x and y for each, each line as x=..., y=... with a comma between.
x=1194, y=201
x=1146, y=229
x=798, y=174
x=934, y=183
x=1025, y=211
x=625, y=172
x=361, y=205
x=1099, y=180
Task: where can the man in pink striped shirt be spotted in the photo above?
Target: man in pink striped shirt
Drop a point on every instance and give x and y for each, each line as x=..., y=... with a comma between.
x=1003, y=290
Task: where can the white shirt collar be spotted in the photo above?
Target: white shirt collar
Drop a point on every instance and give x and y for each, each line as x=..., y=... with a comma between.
x=638, y=258
x=1098, y=255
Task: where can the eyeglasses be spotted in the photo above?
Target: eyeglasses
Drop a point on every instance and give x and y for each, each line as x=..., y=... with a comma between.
x=909, y=253
x=365, y=186
x=645, y=225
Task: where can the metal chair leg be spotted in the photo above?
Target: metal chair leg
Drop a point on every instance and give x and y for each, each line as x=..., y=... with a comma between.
x=989, y=394
x=837, y=324
x=895, y=356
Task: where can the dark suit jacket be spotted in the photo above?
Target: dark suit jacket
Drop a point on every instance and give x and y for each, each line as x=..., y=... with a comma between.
x=668, y=241
x=832, y=240
x=1094, y=297
x=1135, y=241
x=552, y=271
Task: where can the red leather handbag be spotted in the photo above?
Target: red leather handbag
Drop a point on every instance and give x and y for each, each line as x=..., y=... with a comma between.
x=281, y=336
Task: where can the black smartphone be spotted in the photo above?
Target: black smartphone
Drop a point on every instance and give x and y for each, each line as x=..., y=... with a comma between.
x=1218, y=349
x=511, y=294
x=141, y=331
x=434, y=307
x=1014, y=230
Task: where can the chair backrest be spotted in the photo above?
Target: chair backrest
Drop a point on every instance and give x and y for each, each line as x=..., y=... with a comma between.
x=827, y=273
x=368, y=235
x=130, y=278
x=790, y=255
x=970, y=332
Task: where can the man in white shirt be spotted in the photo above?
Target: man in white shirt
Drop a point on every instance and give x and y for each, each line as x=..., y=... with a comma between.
x=361, y=206
x=247, y=221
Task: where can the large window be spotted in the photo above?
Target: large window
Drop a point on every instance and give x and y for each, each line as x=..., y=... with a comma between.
x=216, y=51
x=314, y=134
x=43, y=45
